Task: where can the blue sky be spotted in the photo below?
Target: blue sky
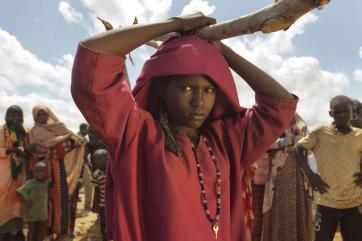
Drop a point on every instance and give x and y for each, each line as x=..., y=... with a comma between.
x=320, y=56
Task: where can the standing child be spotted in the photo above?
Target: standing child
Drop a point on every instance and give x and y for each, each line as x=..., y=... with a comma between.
x=180, y=140
x=34, y=196
x=99, y=180
x=337, y=148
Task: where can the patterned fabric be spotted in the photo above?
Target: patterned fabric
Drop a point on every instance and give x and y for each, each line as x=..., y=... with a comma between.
x=99, y=180
x=58, y=191
x=277, y=155
x=338, y=159
x=282, y=198
x=258, y=198
x=10, y=180
x=290, y=218
x=14, y=139
x=247, y=199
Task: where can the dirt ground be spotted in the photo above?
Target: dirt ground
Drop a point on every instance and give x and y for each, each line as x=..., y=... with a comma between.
x=87, y=224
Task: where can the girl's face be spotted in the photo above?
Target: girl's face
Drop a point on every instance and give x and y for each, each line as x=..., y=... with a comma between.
x=41, y=117
x=189, y=100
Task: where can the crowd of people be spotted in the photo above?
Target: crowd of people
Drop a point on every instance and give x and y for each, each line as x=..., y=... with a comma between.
x=177, y=158
x=285, y=186
x=42, y=170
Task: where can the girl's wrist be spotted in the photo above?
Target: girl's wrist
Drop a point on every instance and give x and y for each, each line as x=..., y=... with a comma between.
x=175, y=23
x=224, y=49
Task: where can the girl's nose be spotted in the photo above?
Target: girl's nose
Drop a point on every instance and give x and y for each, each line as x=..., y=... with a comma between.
x=197, y=98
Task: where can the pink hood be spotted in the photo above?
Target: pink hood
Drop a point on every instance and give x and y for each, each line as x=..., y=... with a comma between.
x=188, y=55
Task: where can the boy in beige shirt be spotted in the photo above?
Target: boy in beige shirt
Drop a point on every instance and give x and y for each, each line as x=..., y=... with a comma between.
x=337, y=148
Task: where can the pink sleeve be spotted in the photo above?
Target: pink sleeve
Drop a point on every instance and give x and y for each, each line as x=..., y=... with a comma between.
x=263, y=124
x=102, y=94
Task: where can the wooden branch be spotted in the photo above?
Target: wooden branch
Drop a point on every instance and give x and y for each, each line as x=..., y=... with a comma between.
x=278, y=16
x=107, y=25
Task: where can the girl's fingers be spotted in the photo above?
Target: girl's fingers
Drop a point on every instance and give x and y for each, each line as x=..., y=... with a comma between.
x=210, y=21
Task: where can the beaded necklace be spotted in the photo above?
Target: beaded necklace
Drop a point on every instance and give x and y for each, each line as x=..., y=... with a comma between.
x=214, y=221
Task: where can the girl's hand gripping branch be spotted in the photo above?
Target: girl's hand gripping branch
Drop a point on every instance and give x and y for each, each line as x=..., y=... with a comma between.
x=121, y=41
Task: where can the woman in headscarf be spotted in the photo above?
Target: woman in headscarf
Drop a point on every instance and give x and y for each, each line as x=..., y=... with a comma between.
x=63, y=151
x=13, y=140
x=283, y=197
x=179, y=140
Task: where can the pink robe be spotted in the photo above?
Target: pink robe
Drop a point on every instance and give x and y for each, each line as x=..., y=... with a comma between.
x=152, y=194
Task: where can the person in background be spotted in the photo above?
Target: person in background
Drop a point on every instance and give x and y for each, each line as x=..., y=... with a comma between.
x=13, y=141
x=34, y=196
x=63, y=151
x=284, y=212
x=100, y=157
x=357, y=122
x=337, y=148
x=85, y=176
x=357, y=114
x=95, y=143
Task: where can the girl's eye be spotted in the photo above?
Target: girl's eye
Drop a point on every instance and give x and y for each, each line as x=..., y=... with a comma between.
x=211, y=90
x=186, y=88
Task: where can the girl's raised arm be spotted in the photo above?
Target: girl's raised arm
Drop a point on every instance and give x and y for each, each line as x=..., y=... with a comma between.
x=123, y=40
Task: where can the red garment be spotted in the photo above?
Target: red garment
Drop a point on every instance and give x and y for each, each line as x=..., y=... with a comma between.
x=152, y=194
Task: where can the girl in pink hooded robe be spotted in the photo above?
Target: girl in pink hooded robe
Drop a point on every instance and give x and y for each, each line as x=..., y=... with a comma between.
x=180, y=140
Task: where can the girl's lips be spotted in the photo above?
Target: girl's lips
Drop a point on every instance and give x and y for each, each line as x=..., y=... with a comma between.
x=197, y=115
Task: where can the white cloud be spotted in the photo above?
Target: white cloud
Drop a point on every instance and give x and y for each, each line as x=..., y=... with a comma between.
x=124, y=12
x=358, y=74
x=199, y=5
x=27, y=80
x=69, y=13
x=21, y=68
x=302, y=75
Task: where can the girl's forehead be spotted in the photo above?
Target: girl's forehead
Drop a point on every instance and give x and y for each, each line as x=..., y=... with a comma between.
x=197, y=79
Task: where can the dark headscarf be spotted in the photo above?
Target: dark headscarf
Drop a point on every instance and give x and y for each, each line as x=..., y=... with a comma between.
x=19, y=130
x=16, y=162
